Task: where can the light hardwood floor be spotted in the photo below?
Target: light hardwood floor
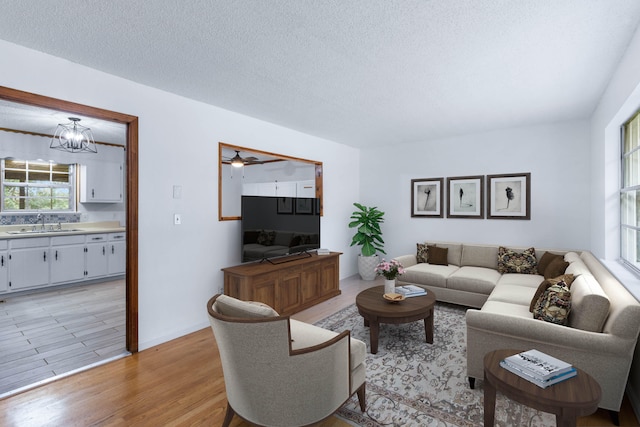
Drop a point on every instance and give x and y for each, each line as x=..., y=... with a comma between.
x=176, y=383
x=54, y=332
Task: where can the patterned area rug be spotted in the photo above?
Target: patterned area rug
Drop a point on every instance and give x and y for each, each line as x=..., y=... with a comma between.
x=412, y=383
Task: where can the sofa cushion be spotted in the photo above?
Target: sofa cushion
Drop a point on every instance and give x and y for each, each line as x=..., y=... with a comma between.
x=555, y=268
x=546, y=283
x=512, y=294
x=554, y=305
x=473, y=279
x=510, y=261
x=304, y=335
x=545, y=260
x=233, y=307
x=428, y=274
x=577, y=267
x=521, y=280
x=437, y=255
x=590, y=305
x=422, y=252
x=480, y=256
x=506, y=308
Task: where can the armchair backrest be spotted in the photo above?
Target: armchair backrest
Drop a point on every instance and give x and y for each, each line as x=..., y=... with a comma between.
x=267, y=382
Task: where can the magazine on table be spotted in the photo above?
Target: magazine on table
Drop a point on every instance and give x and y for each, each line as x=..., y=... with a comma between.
x=538, y=364
x=410, y=291
x=535, y=380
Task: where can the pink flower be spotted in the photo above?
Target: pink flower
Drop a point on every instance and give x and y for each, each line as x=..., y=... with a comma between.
x=389, y=269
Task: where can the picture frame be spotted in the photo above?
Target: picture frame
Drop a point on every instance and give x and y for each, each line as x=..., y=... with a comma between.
x=427, y=195
x=509, y=196
x=304, y=206
x=285, y=205
x=465, y=197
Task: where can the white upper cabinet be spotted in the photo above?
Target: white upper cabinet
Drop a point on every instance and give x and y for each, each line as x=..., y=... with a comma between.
x=101, y=183
x=306, y=188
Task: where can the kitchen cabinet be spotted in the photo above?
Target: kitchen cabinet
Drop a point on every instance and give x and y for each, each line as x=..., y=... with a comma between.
x=28, y=263
x=101, y=183
x=116, y=253
x=306, y=188
x=67, y=258
x=4, y=266
x=96, y=256
x=278, y=188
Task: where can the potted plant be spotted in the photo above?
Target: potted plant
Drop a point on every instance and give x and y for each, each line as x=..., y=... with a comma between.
x=367, y=220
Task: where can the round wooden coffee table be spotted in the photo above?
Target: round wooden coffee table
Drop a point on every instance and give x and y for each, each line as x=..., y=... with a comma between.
x=576, y=397
x=375, y=310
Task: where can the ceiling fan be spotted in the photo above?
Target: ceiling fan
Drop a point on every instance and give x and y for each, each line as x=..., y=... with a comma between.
x=237, y=161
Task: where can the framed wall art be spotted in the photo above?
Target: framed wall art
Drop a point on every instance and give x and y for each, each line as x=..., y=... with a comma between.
x=427, y=195
x=509, y=196
x=465, y=197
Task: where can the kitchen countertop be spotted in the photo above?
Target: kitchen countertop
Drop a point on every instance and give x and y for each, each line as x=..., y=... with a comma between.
x=8, y=231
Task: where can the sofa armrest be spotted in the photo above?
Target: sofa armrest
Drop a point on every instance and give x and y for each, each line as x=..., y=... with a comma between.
x=407, y=260
x=545, y=333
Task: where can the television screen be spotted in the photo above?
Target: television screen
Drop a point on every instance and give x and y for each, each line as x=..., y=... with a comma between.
x=279, y=226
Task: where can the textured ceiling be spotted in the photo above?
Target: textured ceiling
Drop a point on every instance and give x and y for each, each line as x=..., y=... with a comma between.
x=360, y=72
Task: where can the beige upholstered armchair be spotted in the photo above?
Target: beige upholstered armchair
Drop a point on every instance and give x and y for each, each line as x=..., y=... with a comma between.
x=282, y=372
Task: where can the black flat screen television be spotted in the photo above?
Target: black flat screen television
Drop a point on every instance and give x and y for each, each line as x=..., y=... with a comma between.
x=279, y=227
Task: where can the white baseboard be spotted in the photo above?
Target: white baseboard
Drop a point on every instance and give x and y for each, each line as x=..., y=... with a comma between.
x=173, y=335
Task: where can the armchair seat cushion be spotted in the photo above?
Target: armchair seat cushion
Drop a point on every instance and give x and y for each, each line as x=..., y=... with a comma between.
x=305, y=335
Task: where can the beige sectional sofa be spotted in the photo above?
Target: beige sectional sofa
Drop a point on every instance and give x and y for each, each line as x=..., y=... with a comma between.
x=603, y=322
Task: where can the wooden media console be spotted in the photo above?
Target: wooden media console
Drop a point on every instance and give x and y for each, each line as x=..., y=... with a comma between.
x=287, y=287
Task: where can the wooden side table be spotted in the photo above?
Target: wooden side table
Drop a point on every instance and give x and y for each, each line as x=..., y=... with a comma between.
x=375, y=310
x=576, y=397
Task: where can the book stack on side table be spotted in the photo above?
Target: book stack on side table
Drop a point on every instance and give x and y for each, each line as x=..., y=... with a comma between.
x=539, y=368
x=410, y=291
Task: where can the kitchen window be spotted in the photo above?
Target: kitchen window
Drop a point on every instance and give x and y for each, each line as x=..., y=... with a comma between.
x=37, y=186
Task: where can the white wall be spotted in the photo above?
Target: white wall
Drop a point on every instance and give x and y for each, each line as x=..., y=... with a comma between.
x=179, y=266
x=556, y=155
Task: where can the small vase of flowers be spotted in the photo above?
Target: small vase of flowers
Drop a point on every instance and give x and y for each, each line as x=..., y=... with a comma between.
x=390, y=270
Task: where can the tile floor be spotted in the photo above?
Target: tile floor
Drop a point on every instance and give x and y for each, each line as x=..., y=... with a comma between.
x=50, y=333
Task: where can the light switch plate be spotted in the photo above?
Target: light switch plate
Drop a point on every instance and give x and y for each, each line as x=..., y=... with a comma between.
x=177, y=219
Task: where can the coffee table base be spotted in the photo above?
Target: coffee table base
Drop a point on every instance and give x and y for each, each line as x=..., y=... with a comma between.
x=374, y=330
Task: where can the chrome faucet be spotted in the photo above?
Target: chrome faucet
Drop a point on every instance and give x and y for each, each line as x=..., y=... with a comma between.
x=40, y=217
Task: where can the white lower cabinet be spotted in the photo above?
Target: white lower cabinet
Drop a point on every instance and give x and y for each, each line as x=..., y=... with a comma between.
x=4, y=266
x=67, y=259
x=34, y=262
x=117, y=253
x=28, y=263
x=96, y=256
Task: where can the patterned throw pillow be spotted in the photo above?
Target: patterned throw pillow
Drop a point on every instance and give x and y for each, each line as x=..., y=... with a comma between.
x=547, y=283
x=422, y=252
x=517, y=262
x=554, y=305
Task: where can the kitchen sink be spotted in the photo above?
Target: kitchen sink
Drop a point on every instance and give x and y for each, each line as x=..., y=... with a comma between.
x=41, y=231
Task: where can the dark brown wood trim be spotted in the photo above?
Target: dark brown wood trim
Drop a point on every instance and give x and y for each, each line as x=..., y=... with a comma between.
x=282, y=157
x=28, y=98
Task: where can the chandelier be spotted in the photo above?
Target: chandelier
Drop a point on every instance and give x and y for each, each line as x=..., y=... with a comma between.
x=73, y=138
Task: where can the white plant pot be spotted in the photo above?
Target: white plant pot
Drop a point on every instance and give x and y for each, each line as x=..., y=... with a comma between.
x=367, y=265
